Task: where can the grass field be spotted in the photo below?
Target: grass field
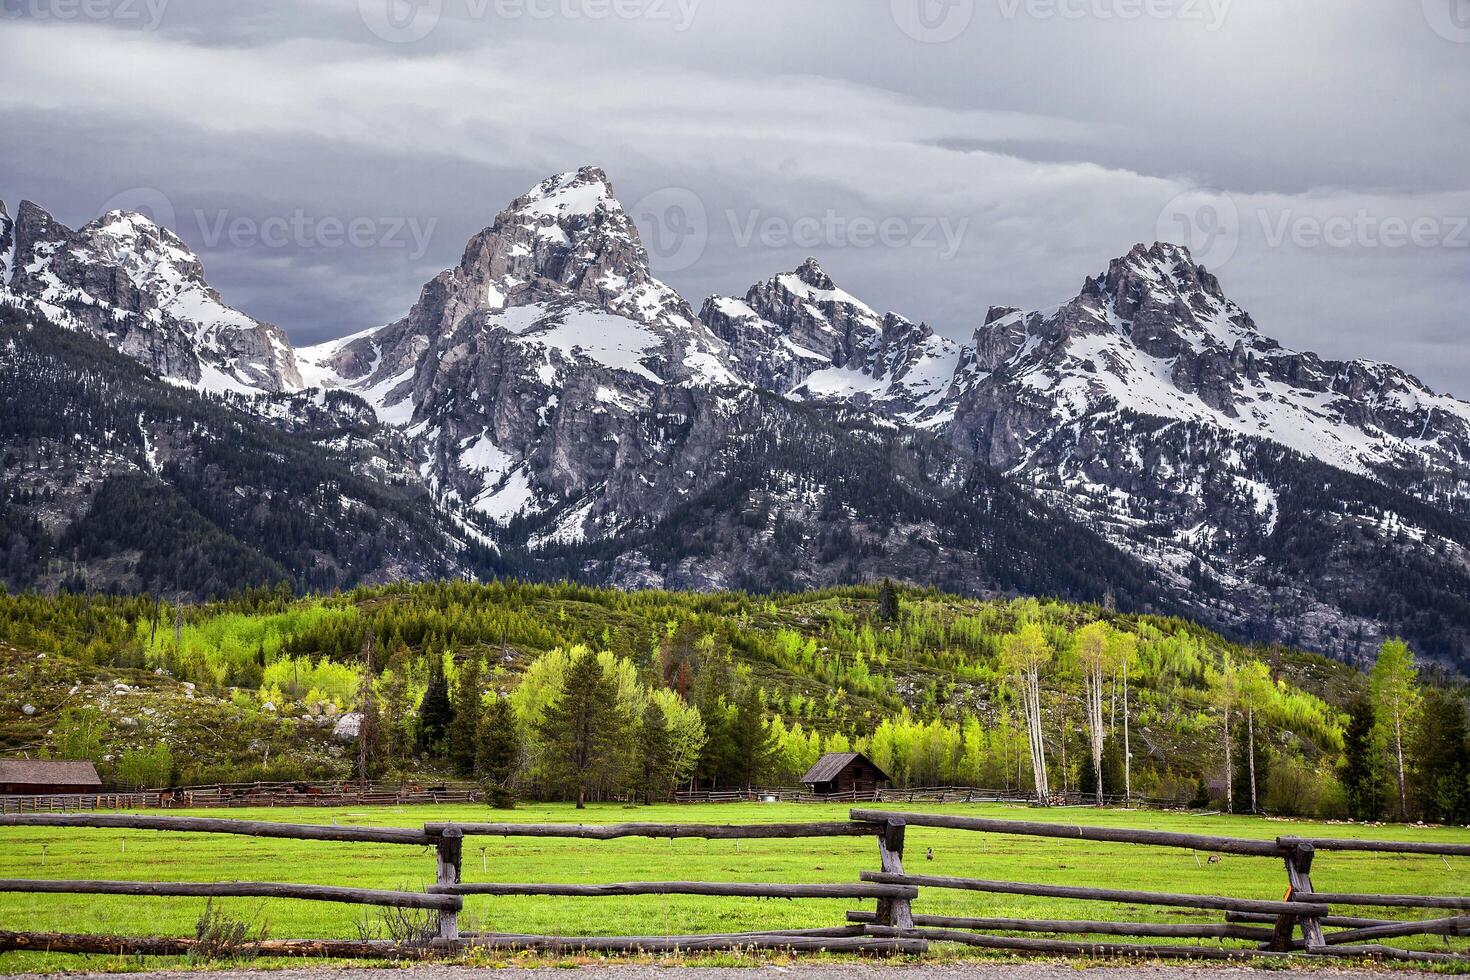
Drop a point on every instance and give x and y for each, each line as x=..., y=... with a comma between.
x=28, y=852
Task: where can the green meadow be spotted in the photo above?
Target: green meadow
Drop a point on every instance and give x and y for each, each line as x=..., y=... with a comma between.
x=31, y=852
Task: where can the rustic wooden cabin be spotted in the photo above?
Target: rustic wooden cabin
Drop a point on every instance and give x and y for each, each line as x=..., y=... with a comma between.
x=47, y=777
x=843, y=772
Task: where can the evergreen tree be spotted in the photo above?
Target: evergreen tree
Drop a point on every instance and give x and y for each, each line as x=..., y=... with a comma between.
x=464, y=729
x=750, y=738
x=655, y=755
x=498, y=752
x=435, y=710
x=888, y=602
x=1364, y=800
x=1442, y=759
x=583, y=731
x=713, y=691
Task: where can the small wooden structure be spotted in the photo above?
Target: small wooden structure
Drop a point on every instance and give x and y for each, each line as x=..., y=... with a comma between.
x=844, y=772
x=28, y=777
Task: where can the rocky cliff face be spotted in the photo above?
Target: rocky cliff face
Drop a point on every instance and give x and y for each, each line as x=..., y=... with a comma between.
x=123, y=279
x=801, y=336
x=570, y=415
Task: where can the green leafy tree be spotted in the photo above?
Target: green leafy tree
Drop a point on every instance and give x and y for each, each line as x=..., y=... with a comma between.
x=1395, y=685
x=1024, y=655
x=583, y=732
x=78, y=734
x=1256, y=694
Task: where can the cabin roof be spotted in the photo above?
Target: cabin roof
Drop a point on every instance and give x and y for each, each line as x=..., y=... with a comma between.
x=829, y=765
x=48, y=772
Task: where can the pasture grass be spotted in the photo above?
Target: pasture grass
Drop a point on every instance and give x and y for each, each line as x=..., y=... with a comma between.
x=36, y=852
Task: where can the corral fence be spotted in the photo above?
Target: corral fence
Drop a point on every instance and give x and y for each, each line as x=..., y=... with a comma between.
x=1304, y=923
x=916, y=794
x=299, y=793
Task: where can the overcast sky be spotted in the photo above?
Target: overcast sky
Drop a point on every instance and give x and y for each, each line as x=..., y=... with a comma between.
x=326, y=157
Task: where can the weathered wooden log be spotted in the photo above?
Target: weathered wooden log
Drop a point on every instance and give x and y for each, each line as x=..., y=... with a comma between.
x=1338, y=921
x=212, y=825
x=1170, y=930
x=1389, y=846
x=828, y=931
x=663, y=830
x=449, y=852
x=893, y=911
x=1100, y=894
x=1075, y=948
x=1458, y=925
x=1389, y=901
x=1117, y=835
x=687, y=944
x=57, y=942
x=738, y=889
x=235, y=889
x=1390, y=953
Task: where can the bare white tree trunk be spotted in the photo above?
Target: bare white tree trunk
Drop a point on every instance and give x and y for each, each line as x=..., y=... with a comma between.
x=1229, y=770
x=1127, y=745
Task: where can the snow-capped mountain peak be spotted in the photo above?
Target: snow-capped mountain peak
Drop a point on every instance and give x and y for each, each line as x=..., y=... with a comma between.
x=127, y=279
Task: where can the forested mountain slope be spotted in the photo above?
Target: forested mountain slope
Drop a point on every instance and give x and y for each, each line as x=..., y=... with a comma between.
x=921, y=680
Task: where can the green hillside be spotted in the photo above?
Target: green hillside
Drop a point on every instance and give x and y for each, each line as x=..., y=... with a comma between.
x=252, y=688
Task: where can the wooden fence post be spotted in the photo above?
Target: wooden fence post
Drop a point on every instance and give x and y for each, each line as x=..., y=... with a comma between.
x=450, y=849
x=1298, y=858
x=896, y=912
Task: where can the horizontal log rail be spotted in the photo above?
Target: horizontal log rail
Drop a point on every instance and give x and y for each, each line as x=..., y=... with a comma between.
x=1116, y=835
x=1444, y=849
x=731, y=889
x=234, y=889
x=1082, y=927
x=1068, y=947
x=1458, y=925
x=339, y=949
x=213, y=825
x=1121, y=896
x=1388, y=901
x=775, y=941
x=663, y=830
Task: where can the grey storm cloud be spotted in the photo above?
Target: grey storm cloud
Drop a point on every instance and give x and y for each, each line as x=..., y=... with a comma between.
x=326, y=157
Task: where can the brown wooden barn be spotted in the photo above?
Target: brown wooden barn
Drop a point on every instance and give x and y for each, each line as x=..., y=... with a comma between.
x=843, y=772
x=47, y=777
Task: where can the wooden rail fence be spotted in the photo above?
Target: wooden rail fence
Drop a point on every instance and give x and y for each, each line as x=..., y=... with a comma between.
x=1294, y=925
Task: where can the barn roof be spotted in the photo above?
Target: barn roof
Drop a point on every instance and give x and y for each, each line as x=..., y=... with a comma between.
x=829, y=765
x=48, y=772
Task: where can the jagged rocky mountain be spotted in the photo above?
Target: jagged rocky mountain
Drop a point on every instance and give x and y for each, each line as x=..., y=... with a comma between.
x=569, y=414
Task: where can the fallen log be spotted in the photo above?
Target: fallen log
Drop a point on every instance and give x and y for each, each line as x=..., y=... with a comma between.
x=235, y=889
x=1102, y=894
x=1209, y=930
x=1025, y=828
